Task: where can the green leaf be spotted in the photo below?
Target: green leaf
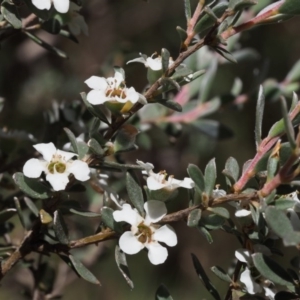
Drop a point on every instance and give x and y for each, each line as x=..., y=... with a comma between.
x=194, y=218
x=72, y=139
x=60, y=228
x=11, y=14
x=212, y=221
x=52, y=26
x=171, y=104
x=208, y=80
x=284, y=203
x=108, y=219
x=197, y=176
x=205, y=233
x=31, y=187
x=204, y=278
x=210, y=175
x=288, y=124
x=290, y=7
x=187, y=9
x=95, y=110
x=182, y=35
x=281, y=225
x=82, y=271
x=226, y=54
x=88, y=214
x=83, y=149
x=162, y=293
x=125, y=138
x=165, y=56
x=120, y=258
x=231, y=171
x=220, y=211
x=95, y=146
x=19, y=211
x=206, y=21
x=182, y=72
x=271, y=270
x=6, y=214
x=134, y=191
x=46, y=46
x=294, y=73
x=221, y=273
x=213, y=129
x=237, y=5
x=31, y=206
x=260, y=104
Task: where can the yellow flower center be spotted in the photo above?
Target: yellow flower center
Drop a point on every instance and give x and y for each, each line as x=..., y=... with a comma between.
x=117, y=92
x=144, y=233
x=57, y=165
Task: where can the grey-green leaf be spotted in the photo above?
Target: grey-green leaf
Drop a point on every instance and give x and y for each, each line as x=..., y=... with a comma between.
x=196, y=174
x=60, y=228
x=210, y=175
x=82, y=271
x=281, y=225
x=204, y=278
x=72, y=139
x=194, y=218
x=260, y=104
x=220, y=211
x=120, y=258
x=290, y=7
x=6, y=214
x=31, y=187
x=11, y=14
x=271, y=270
x=108, y=219
x=134, y=191
x=31, y=206
x=221, y=273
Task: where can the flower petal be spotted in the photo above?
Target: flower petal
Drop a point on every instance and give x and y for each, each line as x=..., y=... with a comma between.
x=33, y=168
x=61, y=6
x=153, y=184
x=47, y=150
x=251, y=286
x=155, y=211
x=132, y=95
x=96, y=97
x=97, y=83
x=118, y=78
x=242, y=213
x=80, y=170
x=157, y=254
x=127, y=214
x=139, y=59
x=154, y=64
x=129, y=243
x=66, y=155
x=58, y=181
x=166, y=234
x=42, y=4
x=243, y=256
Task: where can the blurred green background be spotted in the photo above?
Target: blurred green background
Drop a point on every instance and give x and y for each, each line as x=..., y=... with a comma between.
x=32, y=79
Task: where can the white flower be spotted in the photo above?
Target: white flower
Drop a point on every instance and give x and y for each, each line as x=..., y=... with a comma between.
x=61, y=6
x=254, y=283
x=157, y=181
x=77, y=23
x=144, y=233
x=57, y=165
x=154, y=64
x=111, y=89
